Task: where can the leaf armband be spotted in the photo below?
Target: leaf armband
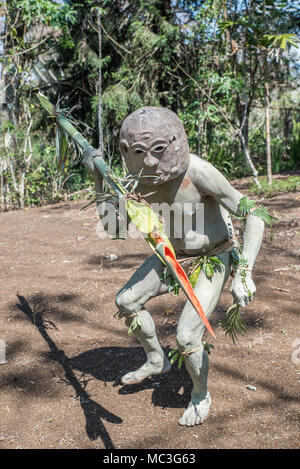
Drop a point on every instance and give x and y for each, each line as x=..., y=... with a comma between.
x=181, y=356
x=136, y=322
x=208, y=264
x=176, y=354
x=248, y=207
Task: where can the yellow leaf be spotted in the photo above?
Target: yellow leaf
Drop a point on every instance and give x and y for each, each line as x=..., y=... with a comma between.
x=147, y=221
x=142, y=216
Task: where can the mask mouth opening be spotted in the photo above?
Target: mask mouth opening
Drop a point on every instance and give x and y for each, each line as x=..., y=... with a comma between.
x=155, y=178
x=158, y=178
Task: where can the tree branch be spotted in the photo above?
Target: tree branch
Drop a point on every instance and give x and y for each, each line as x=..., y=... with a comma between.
x=27, y=50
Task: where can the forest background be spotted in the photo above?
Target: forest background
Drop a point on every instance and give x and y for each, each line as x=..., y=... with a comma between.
x=229, y=69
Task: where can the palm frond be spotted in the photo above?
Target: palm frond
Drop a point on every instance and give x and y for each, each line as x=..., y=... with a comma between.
x=247, y=206
x=233, y=323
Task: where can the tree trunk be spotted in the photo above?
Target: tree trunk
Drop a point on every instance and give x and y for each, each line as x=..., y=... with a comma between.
x=100, y=129
x=287, y=133
x=249, y=160
x=268, y=137
x=99, y=184
x=244, y=121
x=267, y=107
x=4, y=114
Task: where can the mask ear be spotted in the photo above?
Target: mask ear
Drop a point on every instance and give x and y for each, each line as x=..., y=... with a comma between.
x=124, y=147
x=174, y=139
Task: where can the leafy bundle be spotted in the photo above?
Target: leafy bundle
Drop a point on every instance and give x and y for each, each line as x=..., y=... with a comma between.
x=233, y=322
x=248, y=207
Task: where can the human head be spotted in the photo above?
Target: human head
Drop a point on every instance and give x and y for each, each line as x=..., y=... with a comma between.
x=153, y=139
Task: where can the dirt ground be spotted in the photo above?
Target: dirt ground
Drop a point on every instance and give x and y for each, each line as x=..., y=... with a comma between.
x=66, y=351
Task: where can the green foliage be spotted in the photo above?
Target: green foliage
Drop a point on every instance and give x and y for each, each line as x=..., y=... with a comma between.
x=221, y=45
x=176, y=354
x=116, y=99
x=233, y=323
x=193, y=277
x=37, y=187
x=208, y=347
x=248, y=206
x=209, y=264
x=205, y=263
x=46, y=11
x=288, y=184
x=281, y=40
x=136, y=322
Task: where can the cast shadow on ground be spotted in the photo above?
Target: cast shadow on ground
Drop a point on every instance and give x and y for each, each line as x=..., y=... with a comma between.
x=94, y=412
x=41, y=302
x=122, y=262
x=109, y=364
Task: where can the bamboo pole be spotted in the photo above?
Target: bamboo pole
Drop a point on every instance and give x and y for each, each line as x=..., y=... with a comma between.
x=98, y=161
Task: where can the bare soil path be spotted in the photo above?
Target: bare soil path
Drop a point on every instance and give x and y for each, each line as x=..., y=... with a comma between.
x=66, y=350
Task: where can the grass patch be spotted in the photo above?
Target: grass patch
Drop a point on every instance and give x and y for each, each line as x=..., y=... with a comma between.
x=290, y=184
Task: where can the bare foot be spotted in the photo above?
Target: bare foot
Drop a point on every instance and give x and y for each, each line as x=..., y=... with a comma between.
x=196, y=411
x=148, y=369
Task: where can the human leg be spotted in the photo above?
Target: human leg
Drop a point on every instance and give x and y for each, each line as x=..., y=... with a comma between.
x=145, y=284
x=189, y=338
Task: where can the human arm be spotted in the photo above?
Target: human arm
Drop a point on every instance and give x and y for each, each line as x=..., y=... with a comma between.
x=106, y=210
x=89, y=154
x=213, y=183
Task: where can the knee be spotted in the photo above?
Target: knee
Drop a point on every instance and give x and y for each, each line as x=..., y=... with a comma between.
x=125, y=302
x=184, y=338
x=188, y=338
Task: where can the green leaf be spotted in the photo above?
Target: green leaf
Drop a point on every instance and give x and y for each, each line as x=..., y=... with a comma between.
x=136, y=322
x=233, y=322
x=207, y=347
x=215, y=260
x=174, y=358
x=180, y=361
x=193, y=278
x=247, y=206
x=209, y=270
x=176, y=289
x=225, y=24
x=45, y=103
x=142, y=216
x=283, y=43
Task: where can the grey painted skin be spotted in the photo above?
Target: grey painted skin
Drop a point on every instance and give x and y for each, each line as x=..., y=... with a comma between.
x=158, y=146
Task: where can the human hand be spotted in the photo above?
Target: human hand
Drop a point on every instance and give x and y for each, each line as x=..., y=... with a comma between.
x=242, y=287
x=89, y=154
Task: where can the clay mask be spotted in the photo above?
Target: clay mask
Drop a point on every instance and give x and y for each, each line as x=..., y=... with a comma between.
x=153, y=140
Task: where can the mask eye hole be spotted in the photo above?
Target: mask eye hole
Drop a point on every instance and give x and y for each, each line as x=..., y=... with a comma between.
x=159, y=148
x=138, y=151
